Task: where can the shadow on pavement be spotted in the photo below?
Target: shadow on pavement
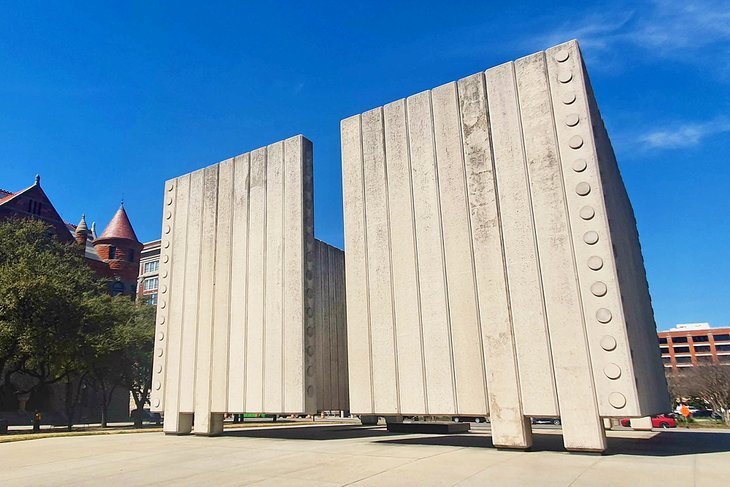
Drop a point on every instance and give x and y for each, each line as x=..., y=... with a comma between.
x=662, y=444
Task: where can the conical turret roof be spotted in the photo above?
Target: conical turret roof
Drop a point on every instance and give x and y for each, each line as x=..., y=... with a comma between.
x=119, y=228
x=81, y=228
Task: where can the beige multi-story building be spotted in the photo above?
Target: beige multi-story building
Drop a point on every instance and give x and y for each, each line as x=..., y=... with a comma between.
x=149, y=269
x=691, y=344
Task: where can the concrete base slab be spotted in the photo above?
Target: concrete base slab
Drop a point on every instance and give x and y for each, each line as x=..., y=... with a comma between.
x=444, y=428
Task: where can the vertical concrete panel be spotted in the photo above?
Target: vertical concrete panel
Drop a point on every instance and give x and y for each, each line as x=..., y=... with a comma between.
x=274, y=280
x=295, y=202
x=308, y=225
x=331, y=306
x=523, y=273
x=257, y=254
x=356, y=267
x=385, y=387
x=162, y=321
x=429, y=241
x=343, y=393
x=411, y=377
x=319, y=316
x=206, y=309
x=467, y=348
x=222, y=288
x=575, y=143
x=174, y=320
x=509, y=427
x=191, y=291
x=239, y=280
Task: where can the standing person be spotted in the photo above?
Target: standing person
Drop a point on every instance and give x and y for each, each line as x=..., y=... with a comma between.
x=37, y=422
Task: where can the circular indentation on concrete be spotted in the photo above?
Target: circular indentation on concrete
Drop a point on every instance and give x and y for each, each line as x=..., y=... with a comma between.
x=310, y=331
x=579, y=165
x=158, y=385
x=587, y=212
x=310, y=350
x=608, y=343
x=168, y=229
x=165, y=259
x=157, y=403
x=572, y=119
x=310, y=391
x=164, y=274
x=583, y=188
x=617, y=400
x=163, y=304
x=599, y=288
x=612, y=371
x=162, y=320
x=160, y=352
x=562, y=55
x=168, y=215
x=310, y=371
x=163, y=289
x=158, y=369
x=161, y=336
x=595, y=262
x=170, y=187
x=565, y=76
x=590, y=237
x=576, y=142
x=307, y=275
x=309, y=293
x=568, y=97
x=603, y=315
x=310, y=312
x=169, y=200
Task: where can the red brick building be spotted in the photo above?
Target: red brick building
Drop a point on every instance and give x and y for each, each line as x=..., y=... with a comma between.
x=114, y=255
x=690, y=344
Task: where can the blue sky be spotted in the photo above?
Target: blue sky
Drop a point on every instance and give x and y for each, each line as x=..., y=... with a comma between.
x=108, y=99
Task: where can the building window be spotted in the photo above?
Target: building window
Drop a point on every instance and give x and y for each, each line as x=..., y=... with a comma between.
x=34, y=207
x=150, y=284
x=702, y=348
x=722, y=348
x=152, y=266
x=681, y=349
x=704, y=359
x=679, y=339
x=722, y=338
x=152, y=298
x=112, y=252
x=662, y=339
x=723, y=358
x=130, y=255
x=683, y=360
x=700, y=338
x=666, y=360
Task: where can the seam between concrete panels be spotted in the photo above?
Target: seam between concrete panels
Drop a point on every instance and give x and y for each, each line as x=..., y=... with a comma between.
x=443, y=253
x=282, y=286
x=264, y=274
x=505, y=276
x=536, y=246
x=367, y=267
x=415, y=255
x=247, y=192
x=471, y=246
x=390, y=263
x=211, y=345
x=230, y=276
x=198, y=300
x=573, y=251
x=182, y=302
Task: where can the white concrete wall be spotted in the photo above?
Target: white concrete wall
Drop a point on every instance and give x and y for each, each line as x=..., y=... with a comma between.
x=235, y=317
x=492, y=257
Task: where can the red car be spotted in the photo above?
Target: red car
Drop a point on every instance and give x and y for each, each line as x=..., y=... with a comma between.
x=659, y=421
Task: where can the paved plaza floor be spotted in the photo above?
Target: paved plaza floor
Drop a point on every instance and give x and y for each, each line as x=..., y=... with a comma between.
x=350, y=455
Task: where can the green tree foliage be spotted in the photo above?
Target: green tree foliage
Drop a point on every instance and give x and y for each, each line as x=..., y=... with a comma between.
x=58, y=323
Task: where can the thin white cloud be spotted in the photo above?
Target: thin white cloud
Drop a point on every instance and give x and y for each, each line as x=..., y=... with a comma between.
x=661, y=28
x=677, y=136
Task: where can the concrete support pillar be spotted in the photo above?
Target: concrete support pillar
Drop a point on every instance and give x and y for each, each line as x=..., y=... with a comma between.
x=586, y=440
x=178, y=424
x=208, y=425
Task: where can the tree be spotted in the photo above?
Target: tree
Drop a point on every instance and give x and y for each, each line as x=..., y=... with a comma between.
x=43, y=286
x=713, y=386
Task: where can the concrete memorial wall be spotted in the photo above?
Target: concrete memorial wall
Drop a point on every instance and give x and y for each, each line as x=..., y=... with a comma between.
x=493, y=260
x=240, y=280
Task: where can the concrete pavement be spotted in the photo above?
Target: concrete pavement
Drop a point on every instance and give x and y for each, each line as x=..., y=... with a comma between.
x=347, y=455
